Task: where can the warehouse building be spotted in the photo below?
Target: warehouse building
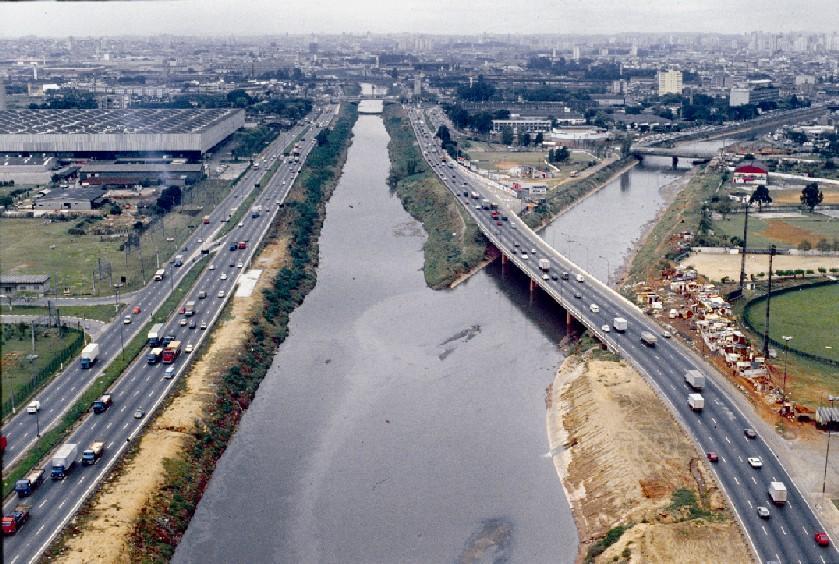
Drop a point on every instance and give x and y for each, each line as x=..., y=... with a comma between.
x=131, y=174
x=72, y=199
x=29, y=283
x=107, y=133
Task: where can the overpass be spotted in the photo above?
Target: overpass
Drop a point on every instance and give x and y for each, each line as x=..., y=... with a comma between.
x=674, y=153
x=788, y=535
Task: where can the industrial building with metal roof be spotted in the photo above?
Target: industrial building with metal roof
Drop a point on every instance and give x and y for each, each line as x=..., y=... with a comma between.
x=91, y=132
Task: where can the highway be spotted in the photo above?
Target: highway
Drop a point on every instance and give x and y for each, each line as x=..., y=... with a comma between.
x=788, y=534
x=61, y=392
x=143, y=386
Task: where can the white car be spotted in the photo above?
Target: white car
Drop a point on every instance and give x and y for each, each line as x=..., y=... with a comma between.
x=200, y=240
x=126, y=320
x=221, y=293
x=594, y=308
x=223, y=276
x=169, y=373
x=605, y=328
x=524, y=256
x=546, y=277
x=667, y=334
x=239, y=265
x=189, y=348
x=33, y=407
x=212, y=267
x=755, y=462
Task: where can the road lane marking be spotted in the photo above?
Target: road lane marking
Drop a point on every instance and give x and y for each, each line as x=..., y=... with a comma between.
x=124, y=407
x=42, y=504
x=783, y=530
x=736, y=480
x=51, y=410
x=805, y=530
x=729, y=442
x=764, y=530
x=38, y=532
x=60, y=505
x=749, y=502
x=740, y=458
x=126, y=424
x=110, y=444
x=753, y=480
x=714, y=420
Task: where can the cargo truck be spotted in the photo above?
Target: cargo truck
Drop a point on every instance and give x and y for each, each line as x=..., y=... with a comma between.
x=94, y=453
x=695, y=379
x=648, y=338
x=696, y=402
x=778, y=493
x=544, y=264
x=64, y=460
x=620, y=324
x=171, y=352
x=102, y=404
x=89, y=355
x=155, y=336
x=189, y=309
x=159, y=274
x=30, y=483
x=16, y=519
x=154, y=355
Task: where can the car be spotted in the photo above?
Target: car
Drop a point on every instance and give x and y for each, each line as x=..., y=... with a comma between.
x=189, y=348
x=126, y=320
x=516, y=245
x=666, y=335
x=211, y=267
x=169, y=373
x=605, y=328
x=577, y=294
x=554, y=277
x=200, y=240
x=513, y=226
x=192, y=324
x=497, y=223
x=233, y=246
x=822, y=539
x=221, y=293
x=532, y=251
x=241, y=224
x=524, y=256
x=182, y=310
x=140, y=413
x=755, y=462
x=594, y=308
x=545, y=277
x=477, y=206
x=232, y=265
x=763, y=512
x=183, y=322
x=135, y=310
x=33, y=407
x=750, y=433
x=713, y=456
x=239, y=265
x=223, y=276
x=203, y=325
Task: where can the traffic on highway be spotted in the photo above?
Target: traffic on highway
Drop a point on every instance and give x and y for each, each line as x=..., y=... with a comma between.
x=104, y=434
x=780, y=524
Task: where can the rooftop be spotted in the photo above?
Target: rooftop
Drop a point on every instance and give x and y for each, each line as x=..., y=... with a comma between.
x=24, y=278
x=110, y=121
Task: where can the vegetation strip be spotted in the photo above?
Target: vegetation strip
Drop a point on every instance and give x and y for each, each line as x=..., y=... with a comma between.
x=455, y=245
x=104, y=312
x=54, y=436
x=160, y=528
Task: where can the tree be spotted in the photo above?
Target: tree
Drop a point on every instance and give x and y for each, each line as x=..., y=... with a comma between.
x=239, y=98
x=6, y=201
x=724, y=207
x=761, y=196
x=169, y=198
x=322, y=137
x=811, y=196
x=823, y=245
x=482, y=122
x=538, y=139
x=525, y=140
x=506, y=135
x=804, y=245
x=562, y=154
x=443, y=134
x=115, y=210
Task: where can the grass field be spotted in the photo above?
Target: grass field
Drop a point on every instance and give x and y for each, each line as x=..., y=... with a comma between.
x=17, y=344
x=810, y=316
x=785, y=232
x=101, y=312
x=33, y=246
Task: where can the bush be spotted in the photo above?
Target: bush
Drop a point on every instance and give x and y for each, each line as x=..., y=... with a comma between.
x=804, y=245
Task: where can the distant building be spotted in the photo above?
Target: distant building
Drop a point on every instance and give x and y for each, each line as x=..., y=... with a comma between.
x=521, y=125
x=129, y=174
x=752, y=174
x=669, y=82
x=30, y=283
x=742, y=95
x=76, y=199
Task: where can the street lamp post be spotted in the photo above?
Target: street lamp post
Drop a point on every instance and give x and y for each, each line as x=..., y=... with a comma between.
x=787, y=339
x=121, y=338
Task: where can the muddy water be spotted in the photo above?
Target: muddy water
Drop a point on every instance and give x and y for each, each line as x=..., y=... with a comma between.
x=397, y=424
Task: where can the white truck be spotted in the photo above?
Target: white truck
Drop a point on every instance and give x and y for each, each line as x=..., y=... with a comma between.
x=696, y=402
x=695, y=379
x=63, y=460
x=620, y=324
x=544, y=264
x=648, y=338
x=778, y=493
x=89, y=355
x=159, y=274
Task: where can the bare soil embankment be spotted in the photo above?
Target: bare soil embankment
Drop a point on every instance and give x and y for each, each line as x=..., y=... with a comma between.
x=638, y=489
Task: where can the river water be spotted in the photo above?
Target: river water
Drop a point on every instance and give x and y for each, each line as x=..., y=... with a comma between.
x=396, y=424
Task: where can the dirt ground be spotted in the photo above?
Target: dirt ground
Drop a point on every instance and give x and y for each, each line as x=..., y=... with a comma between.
x=606, y=428
x=715, y=267
x=104, y=538
x=831, y=196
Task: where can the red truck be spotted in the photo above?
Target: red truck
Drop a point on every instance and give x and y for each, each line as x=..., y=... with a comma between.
x=14, y=521
x=171, y=352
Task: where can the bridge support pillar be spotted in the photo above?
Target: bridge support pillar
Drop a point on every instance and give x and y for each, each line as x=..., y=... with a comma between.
x=504, y=259
x=533, y=286
x=675, y=161
x=569, y=320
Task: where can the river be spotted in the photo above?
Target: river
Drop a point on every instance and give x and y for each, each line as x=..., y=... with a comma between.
x=397, y=424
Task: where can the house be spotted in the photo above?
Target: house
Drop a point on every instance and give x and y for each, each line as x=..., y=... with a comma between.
x=751, y=174
x=29, y=283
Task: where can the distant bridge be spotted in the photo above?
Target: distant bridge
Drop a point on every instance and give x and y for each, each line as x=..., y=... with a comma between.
x=675, y=153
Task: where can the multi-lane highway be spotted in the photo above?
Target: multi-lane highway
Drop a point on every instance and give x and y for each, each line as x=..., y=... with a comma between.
x=143, y=387
x=60, y=394
x=787, y=535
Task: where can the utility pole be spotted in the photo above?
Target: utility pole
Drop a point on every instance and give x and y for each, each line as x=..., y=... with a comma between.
x=743, y=252
x=32, y=324
x=831, y=399
x=768, y=299
x=784, y=386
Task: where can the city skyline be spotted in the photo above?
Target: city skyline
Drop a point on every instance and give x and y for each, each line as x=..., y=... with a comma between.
x=263, y=17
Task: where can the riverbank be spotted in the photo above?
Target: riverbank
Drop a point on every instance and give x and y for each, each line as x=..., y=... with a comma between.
x=571, y=194
x=638, y=489
x=165, y=501
x=455, y=246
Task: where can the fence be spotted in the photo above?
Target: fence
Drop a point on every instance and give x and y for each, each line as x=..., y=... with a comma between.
x=72, y=349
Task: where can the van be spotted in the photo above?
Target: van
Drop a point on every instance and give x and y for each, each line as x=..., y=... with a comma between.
x=564, y=276
x=594, y=308
x=580, y=278
x=202, y=294
x=169, y=373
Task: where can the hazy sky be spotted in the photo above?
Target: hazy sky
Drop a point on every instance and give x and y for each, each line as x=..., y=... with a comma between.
x=258, y=17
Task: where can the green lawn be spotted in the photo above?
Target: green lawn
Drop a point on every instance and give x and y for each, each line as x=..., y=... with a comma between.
x=810, y=316
x=17, y=372
x=100, y=312
x=31, y=246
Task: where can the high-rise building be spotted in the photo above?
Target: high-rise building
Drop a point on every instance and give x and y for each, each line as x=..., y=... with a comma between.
x=669, y=82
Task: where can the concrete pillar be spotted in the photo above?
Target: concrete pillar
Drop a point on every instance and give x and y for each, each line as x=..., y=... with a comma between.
x=675, y=161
